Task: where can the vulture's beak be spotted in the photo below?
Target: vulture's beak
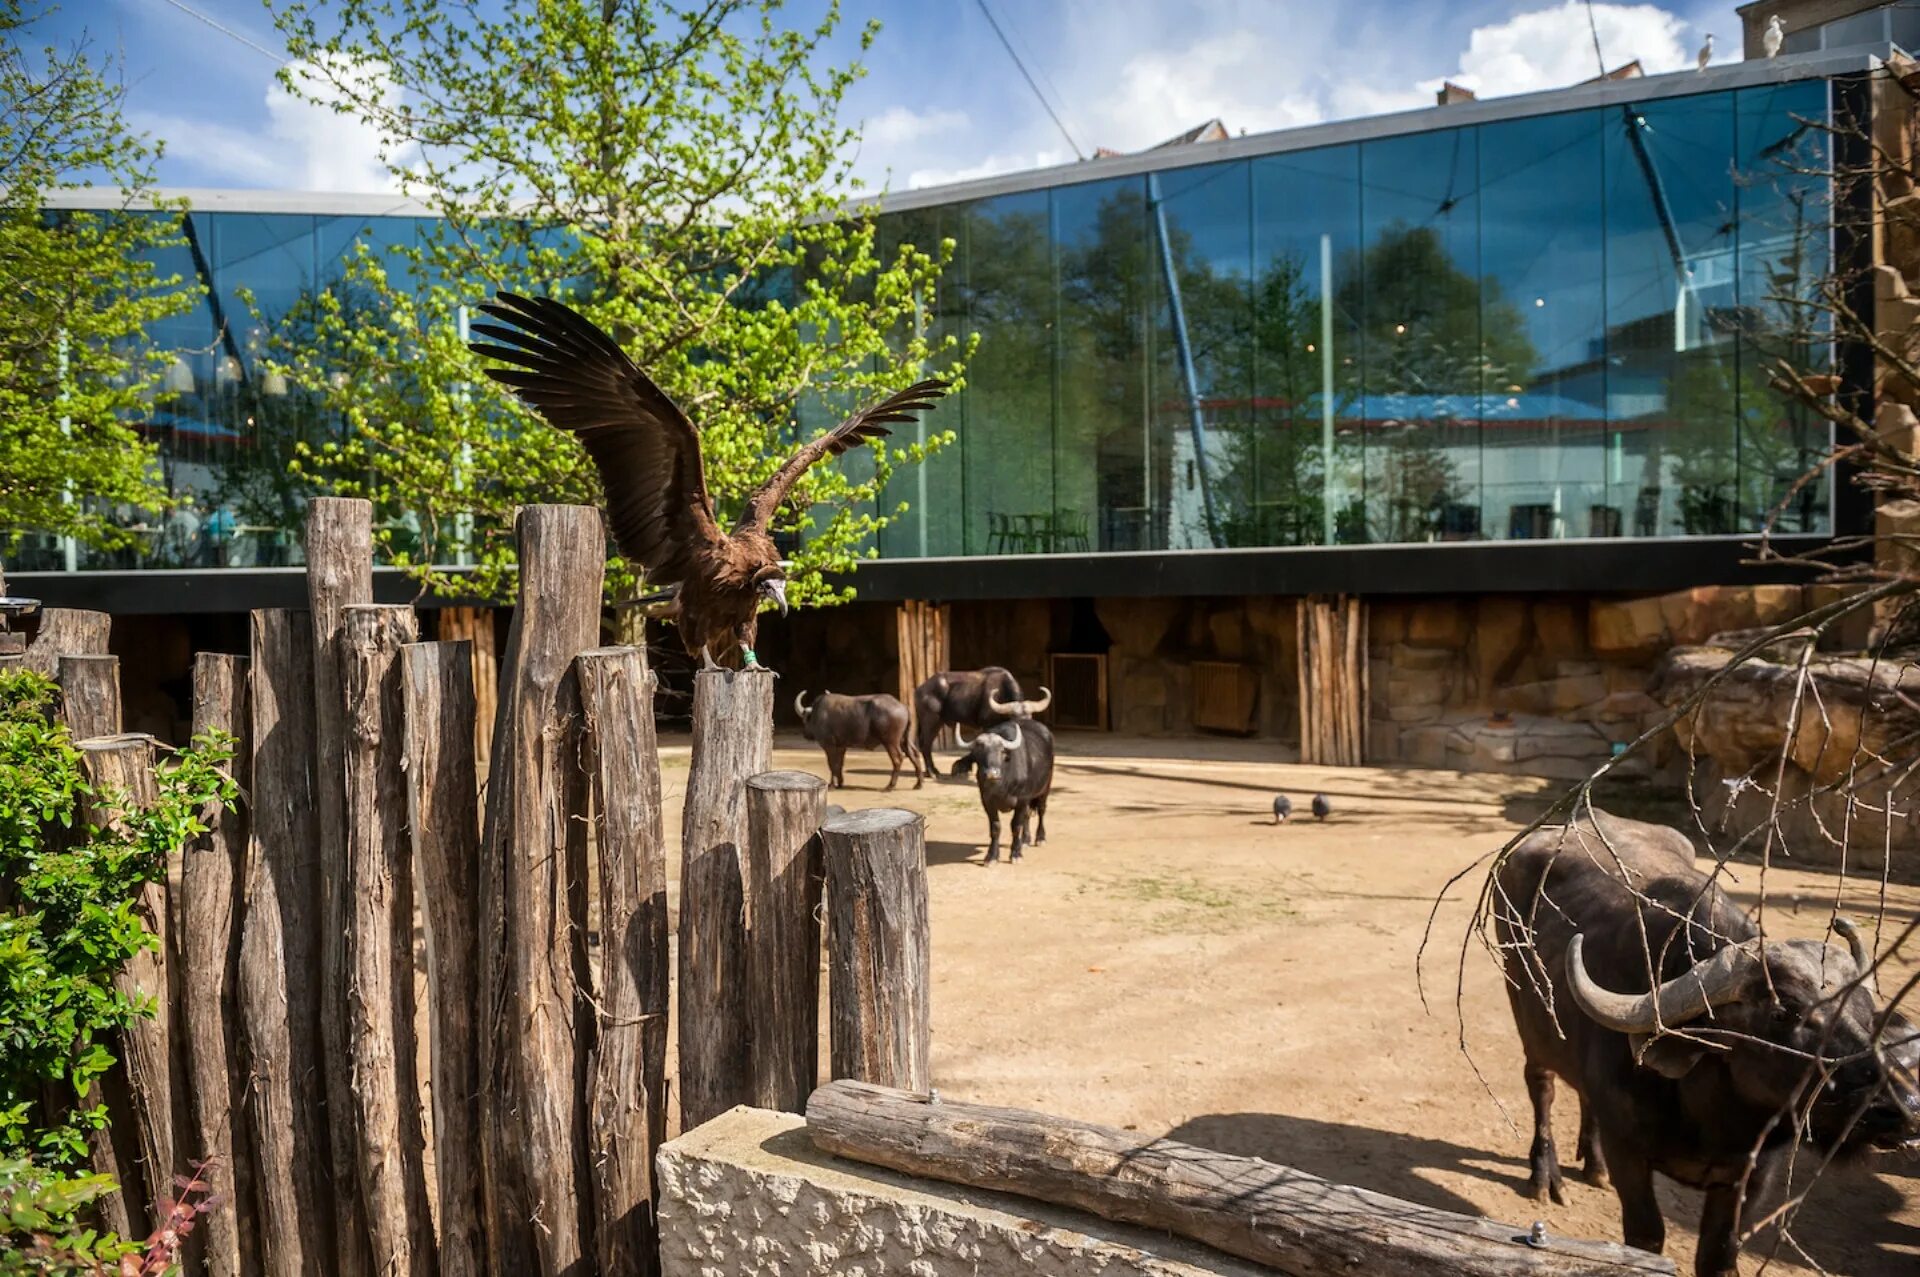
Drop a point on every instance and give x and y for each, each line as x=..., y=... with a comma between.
x=777, y=591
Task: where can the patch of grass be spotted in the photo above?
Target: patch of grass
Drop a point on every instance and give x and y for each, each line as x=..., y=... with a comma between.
x=1181, y=903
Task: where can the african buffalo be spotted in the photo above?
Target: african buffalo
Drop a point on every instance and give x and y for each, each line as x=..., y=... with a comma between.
x=969, y=698
x=838, y=723
x=1708, y=1075
x=1013, y=765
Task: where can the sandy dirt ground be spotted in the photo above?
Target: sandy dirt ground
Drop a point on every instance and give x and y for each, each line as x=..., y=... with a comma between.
x=1172, y=963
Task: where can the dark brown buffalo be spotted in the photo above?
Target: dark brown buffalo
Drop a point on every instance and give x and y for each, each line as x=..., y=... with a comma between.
x=1013, y=766
x=839, y=723
x=969, y=698
x=1706, y=1076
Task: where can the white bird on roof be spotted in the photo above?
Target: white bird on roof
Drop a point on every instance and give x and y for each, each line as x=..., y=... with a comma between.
x=1706, y=52
x=1776, y=36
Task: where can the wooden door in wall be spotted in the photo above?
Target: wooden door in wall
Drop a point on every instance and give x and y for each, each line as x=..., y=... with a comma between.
x=1332, y=645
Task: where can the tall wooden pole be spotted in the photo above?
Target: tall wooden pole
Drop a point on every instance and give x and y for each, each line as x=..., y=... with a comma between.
x=732, y=740
x=626, y=1096
x=66, y=631
x=90, y=696
x=785, y=810
x=878, y=949
x=533, y=893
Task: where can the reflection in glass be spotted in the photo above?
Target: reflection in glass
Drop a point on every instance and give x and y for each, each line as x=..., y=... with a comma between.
x=1009, y=413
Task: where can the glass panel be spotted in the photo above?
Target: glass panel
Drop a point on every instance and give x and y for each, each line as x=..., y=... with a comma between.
x=1306, y=230
x=1859, y=29
x=1419, y=298
x=1670, y=358
x=1904, y=27
x=1009, y=411
x=933, y=492
x=1543, y=330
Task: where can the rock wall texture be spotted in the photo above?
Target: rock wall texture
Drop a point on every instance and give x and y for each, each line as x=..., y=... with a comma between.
x=747, y=1195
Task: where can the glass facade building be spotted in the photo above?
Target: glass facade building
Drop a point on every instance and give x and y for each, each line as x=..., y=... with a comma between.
x=1525, y=323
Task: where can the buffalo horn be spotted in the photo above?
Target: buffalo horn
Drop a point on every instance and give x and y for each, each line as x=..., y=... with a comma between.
x=1713, y=981
x=961, y=736
x=999, y=706
x=1040, y=706
x=1015, y=742
x=1862, y=955
x=800, y=702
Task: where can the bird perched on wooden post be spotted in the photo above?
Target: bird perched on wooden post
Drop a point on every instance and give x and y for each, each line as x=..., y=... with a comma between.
x=648, y=456
x=1282, y=808
x=1321, y=807
x=1775, y=37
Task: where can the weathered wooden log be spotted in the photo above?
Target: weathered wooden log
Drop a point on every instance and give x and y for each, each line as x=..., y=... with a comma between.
x=1273, y=1215
x=391, y=1143
x=210, y=908
x=279, y=979
x=476, y=626
x=732, y=740
x=533, y=916
x=119, y=769
x=444, y=817
x=785, y=810
x=90, y=696
x=879, y=962
x=626, y=1088
x=339, y=551
x=66, y=631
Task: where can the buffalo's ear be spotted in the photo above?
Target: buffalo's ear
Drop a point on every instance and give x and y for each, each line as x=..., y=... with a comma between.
x=1669, y=1055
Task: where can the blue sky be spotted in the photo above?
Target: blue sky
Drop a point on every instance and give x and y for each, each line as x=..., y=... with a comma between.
x=942, y=100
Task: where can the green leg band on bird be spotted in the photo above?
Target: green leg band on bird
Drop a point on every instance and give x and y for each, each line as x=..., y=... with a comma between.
x=751, y=658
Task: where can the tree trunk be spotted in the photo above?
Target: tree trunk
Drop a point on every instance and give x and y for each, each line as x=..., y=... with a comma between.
x=784, y=813
x=1273, y=1215
x=443, y=814
x=280, y=1007
x=66, y=631
x=533, y=890
x=626, y=1098
x=878, y=957
x=390, y=1152
x=339, y=572
x=216, y=1082
x=732, y=740
x=90, y=696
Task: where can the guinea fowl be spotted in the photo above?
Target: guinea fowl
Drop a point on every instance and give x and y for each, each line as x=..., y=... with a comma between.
x=648, y=455
x=1321, y=807
x=1282, y=808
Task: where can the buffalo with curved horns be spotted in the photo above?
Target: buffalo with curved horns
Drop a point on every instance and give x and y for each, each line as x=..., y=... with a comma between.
x=969, y=698
x=838, y=723
x=1013, y=765
x=1699, y=1047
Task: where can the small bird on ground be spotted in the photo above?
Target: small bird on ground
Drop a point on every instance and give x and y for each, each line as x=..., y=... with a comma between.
x=1321, y=807
x=1775, y=37
x=1706, y=52
x=1282, y=808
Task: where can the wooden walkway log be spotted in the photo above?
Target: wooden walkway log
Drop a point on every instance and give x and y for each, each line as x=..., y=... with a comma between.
x=879, y=961
x=90, y=696
x=279, y=977
x=215, y=1083
x=533, y=907
x=626, y=1088
x=1273, y=1215
x=785, y=810
x=732, y=740
x=444, y=816
x=66, y=631
x=390, y=1151
x=339, y=548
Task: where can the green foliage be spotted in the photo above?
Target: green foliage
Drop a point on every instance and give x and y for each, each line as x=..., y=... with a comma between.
x=677, y=175
x=42, y=1228
x=80, y=289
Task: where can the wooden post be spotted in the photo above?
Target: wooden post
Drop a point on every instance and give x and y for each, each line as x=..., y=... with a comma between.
x=215, y=1083
x=626, y=1095
x=1272, y=1215
x=90, y=696
x=533, y=900
x=784, y=813
x=732, y=740
x=475, y=625
x=279, y=979
x=878, y=958
x=66, y=631
x=443, y=814
x=391, y=1144
x=119, y=769
x=339, y=571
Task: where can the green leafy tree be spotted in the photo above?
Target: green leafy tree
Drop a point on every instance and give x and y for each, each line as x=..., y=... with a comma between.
x=676, y=173
x=80, y=288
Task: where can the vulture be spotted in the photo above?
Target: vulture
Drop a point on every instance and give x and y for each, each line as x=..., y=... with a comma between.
x=648, y=455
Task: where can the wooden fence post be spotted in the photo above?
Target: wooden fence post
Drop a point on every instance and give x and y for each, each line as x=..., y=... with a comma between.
x=280, y=1006
x=391, y=1148
x=339, y=571
x=90, y=696
x=444, y=816
x=732, y=740
x=210, y=909
x=785, y=810
x=120, y=771
x=533, y=894
x=878, y=957
x=66, y=631
x=476, y=626
x=626, y=1096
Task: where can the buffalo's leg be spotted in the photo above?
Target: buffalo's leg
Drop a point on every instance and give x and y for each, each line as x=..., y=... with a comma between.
x=1020, y=816
x=914, y=756
x=1542, y=1157
x=993, y=836
x=836, y=767
x=1593, y=1160
x=893, y=756
x=1640, y=1221
x=1728, y=1213
x=1040, y=810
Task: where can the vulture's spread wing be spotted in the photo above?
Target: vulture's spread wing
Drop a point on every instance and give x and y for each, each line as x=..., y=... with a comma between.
x=869, y=423
x=646, y=450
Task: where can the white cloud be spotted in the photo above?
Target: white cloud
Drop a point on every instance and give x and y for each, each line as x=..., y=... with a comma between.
x=1229, y=76
x=1009, y=162
x=899, y=124
x=1552, y=48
